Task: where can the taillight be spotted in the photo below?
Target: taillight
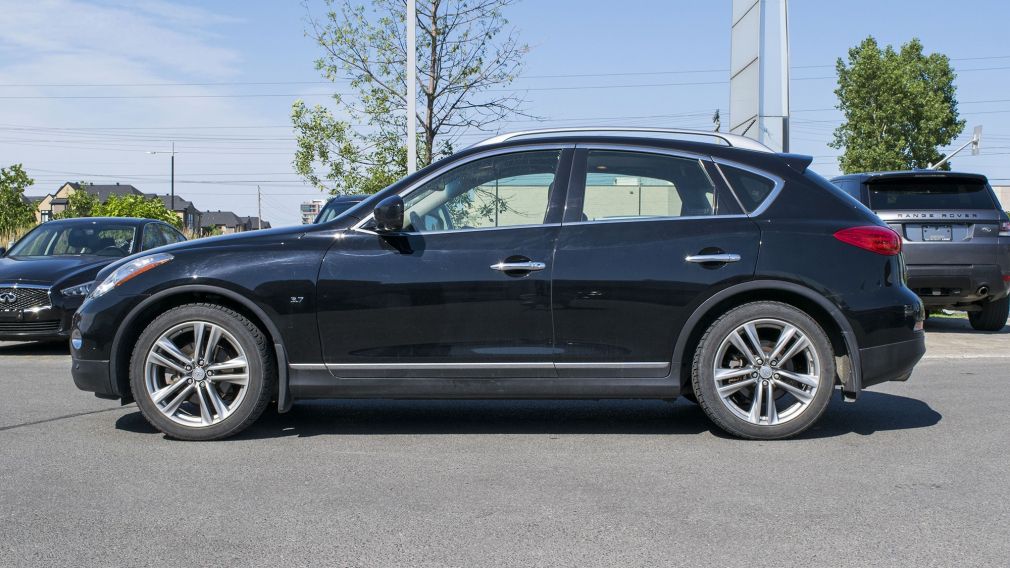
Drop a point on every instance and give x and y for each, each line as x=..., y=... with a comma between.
x=880, y=240
x=1004, y=229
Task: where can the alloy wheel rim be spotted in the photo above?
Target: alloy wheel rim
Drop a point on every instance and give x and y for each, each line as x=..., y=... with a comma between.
x=196, y=374
x=767, y=372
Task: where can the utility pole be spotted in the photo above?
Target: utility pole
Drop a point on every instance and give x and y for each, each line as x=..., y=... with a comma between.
x=173, y=176
x=259, y=208
x=411, y=86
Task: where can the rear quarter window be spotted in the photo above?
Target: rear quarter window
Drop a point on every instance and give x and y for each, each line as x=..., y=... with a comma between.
x=929, y=193
x=751, y=188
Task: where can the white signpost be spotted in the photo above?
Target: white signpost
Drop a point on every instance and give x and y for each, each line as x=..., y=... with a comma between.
x=759, y=72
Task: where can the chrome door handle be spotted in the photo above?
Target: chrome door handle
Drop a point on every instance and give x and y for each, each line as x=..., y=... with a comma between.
x=703, y=258
x=518, y=266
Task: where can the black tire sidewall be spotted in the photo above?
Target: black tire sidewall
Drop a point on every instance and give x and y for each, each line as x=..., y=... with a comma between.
x=704, y=382
x=992, y=317
x=257, y=386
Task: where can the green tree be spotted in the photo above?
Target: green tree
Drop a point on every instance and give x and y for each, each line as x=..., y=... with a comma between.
x=80, y=203
x=466, y=57
x=900, y=107
x=136, y=206
x=15, y=212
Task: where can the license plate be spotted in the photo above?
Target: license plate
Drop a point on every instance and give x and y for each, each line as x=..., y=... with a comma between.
x=936, y=232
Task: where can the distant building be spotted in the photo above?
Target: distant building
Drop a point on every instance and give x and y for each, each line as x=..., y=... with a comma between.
x=310, y=209
x=253, y=223
x=55, y=203
x=185, y=209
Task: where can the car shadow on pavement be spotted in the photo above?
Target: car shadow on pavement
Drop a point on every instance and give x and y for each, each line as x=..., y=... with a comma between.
x=34, y=348
x=873, y=412
x=958, y=325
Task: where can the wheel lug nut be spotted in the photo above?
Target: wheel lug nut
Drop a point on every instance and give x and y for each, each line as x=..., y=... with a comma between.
x=190, y=380
x=774, y=363
x=760, y=362
x=765, y=382
x=755, y=375
x=776, y=375
x=189, y=367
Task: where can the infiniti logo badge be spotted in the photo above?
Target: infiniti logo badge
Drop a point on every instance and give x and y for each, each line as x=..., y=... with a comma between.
x=8, y=298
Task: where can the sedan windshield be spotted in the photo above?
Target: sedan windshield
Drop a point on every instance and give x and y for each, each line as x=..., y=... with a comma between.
x=71, y=240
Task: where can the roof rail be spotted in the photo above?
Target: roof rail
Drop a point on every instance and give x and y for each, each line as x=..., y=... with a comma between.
x=732, y=140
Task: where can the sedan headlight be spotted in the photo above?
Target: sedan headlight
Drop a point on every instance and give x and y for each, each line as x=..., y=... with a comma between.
x=77, y=291
x=130, y=270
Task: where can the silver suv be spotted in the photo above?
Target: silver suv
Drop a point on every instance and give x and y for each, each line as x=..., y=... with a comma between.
x=956, y=238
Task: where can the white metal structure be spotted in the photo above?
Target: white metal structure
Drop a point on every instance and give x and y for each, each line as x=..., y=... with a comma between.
x=732, y=140
x=411, y=18
x=759, y=72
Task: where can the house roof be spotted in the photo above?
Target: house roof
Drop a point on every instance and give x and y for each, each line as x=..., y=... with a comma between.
x=102, y=192
x=223, y=218
x=180, y=203
x=252, y=222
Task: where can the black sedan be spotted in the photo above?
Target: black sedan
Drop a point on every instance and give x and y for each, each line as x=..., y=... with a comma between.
x=564, y=264
x=48, y=272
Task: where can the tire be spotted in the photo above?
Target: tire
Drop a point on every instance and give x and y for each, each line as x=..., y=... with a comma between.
x=801, y=383
x=992, y=317
x=189, y=397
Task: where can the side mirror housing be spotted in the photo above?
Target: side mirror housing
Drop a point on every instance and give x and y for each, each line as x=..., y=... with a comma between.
x=389, y=214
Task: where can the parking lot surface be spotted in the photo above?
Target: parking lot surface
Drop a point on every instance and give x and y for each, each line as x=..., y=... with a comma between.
x=913, y=474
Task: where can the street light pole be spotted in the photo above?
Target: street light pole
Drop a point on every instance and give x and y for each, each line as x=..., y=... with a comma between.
x=411, y=86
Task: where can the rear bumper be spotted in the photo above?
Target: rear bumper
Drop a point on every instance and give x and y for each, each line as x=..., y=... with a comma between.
x=891, y=362
x=947, y=285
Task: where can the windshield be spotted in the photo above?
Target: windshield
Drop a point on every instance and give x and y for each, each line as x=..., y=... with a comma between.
x=334, y=209
x=929, y=193
x=77, y=240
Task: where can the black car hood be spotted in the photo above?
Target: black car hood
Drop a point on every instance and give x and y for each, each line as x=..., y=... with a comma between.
x=50, y=269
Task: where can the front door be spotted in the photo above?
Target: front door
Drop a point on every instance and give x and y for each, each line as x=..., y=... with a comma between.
x=646, y=235
x=464, y=289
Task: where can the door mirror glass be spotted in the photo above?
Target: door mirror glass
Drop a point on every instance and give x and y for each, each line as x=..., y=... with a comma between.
x=389, y=214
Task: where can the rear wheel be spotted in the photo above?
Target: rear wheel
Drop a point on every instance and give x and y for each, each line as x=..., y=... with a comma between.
x=764, y=370
x=202, y=372
x=992, y=317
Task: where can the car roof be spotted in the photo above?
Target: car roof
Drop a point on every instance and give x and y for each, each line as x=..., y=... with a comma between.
x=870, y=176
x=348, y=198
x=97, y=220
x=720, y=138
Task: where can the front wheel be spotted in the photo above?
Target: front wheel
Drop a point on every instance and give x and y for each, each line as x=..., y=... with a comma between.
x=202, y=372
x=764, y=370
x=992, y=317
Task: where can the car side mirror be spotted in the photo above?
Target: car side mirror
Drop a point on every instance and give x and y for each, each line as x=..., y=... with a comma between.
x=389, y=214
x=3, y=251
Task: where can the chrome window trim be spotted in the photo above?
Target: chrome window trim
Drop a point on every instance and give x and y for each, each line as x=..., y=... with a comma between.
x=454, y=231
x=683, y=154
x=772, y=195
x=451, y=166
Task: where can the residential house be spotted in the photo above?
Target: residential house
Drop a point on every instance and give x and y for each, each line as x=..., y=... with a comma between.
x=55, y=203
x=224, y=222
x=253, y=223
x=186, y=211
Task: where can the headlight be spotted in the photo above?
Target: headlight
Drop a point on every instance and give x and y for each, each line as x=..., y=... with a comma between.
x=77, y=291
x=130, y=270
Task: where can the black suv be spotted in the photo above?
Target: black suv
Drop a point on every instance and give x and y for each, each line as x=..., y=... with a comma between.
x=558, y=264
x=956, y=238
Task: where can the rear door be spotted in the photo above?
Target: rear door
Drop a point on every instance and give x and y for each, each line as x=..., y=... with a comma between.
x=647, y=234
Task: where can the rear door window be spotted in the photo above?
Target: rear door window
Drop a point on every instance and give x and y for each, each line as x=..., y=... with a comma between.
x=626, y=185
x=929, y=193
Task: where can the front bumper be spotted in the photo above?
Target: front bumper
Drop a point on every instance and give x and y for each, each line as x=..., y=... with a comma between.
x=36, y=324
x=892, y=361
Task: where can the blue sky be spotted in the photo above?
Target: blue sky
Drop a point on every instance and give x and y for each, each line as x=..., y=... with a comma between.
x=677, y=52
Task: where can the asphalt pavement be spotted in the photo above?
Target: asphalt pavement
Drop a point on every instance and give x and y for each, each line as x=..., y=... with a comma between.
x=913, y=474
